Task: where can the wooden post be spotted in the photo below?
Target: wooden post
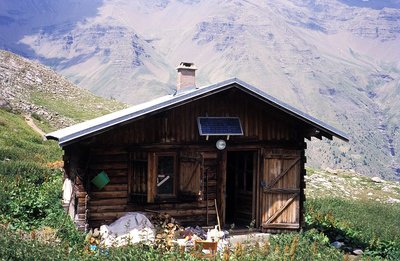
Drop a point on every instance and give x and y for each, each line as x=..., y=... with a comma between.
x=152, y=176
x=222, y=185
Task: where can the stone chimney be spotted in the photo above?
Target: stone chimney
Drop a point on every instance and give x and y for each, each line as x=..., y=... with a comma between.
x=186, y=75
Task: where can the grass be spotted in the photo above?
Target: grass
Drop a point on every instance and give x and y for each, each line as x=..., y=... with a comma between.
x=20, y=145
x=366, y=224
x=79, y=107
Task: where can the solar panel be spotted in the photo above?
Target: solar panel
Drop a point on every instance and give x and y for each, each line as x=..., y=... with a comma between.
x=213, y=126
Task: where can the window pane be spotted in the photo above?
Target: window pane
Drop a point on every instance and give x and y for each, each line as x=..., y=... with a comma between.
x=165, y=175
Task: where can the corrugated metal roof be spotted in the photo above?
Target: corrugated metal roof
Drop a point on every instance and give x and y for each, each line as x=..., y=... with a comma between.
x=70, y=134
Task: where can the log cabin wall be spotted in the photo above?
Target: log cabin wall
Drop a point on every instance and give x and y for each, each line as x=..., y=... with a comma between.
x=179, y=125
x=128, y=152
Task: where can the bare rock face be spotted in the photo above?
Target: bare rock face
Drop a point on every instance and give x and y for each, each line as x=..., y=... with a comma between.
x=20, y=78
x=5, y=105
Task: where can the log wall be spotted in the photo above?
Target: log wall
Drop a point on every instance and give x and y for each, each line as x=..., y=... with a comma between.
x=125, y=154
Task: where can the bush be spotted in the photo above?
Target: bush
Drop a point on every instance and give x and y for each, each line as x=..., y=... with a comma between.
x=29, y=199
x=13, y=246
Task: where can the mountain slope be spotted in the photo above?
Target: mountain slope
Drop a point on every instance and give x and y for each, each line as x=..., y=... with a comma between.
x=30, y=88
x=337, y=60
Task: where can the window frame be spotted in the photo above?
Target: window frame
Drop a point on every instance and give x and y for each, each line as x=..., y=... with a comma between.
x=175, y=181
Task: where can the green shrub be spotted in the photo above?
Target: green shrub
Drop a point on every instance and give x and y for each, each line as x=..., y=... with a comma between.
x=13, y=246
x=29, y=199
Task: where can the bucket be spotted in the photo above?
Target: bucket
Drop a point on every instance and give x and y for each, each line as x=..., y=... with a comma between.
x=101, y=180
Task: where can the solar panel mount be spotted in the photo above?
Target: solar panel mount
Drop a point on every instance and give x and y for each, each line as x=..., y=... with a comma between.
x=219, y=126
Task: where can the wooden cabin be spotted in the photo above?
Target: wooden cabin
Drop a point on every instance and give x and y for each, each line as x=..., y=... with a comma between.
x=228, y=144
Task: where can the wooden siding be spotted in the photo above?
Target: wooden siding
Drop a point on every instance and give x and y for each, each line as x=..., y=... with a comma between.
x=119, y=196
x=127, y=153
x=179, y=125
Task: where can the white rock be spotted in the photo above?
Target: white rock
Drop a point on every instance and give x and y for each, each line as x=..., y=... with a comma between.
x=358, y=252
x=377, y=180
x=333, y=171
x=393, y=200
x=370, y=194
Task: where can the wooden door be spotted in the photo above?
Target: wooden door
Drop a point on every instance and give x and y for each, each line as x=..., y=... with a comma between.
x=280, y=181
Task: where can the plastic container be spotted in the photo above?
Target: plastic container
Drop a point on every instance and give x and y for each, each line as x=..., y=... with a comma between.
x=101, y=180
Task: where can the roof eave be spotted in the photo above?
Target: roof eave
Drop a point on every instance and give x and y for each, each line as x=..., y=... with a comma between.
x=179, y=99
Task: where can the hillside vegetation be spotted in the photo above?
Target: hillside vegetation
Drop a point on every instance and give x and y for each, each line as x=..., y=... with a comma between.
x=32, y=89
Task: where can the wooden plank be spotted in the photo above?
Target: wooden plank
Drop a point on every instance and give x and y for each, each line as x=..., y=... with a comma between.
x=283, y=173
x=109, y=166
x=109, y=194
x=110, y=208
x=281, y=190
x=151, y=181
x=118, y=179
x=112, y=187
x=130, y=172
x=193, y=205
x=189, y=172
x=107, y=201
x=281, y=225
x=281, y=209
x=189, y=212
x=173, y=213
x=221, y=189
x=106, y=215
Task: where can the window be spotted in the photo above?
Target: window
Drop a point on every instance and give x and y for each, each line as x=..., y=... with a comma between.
x=166, y=175
x=138, y=177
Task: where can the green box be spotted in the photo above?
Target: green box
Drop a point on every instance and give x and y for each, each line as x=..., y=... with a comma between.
x=101, y=180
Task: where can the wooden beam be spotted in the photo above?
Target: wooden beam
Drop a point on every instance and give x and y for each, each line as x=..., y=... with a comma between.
x=281, y=225
x=151, y=180
x=281, y=190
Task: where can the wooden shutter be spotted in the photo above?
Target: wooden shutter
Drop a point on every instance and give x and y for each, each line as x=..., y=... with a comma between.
x=152, y=177
x=137, y=178
x=280, y=189
x=190, y=167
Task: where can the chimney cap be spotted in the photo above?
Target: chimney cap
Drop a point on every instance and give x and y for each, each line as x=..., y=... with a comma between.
x=186, y=65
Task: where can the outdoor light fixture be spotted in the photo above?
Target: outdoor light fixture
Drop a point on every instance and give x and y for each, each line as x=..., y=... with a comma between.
x=221, y=144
